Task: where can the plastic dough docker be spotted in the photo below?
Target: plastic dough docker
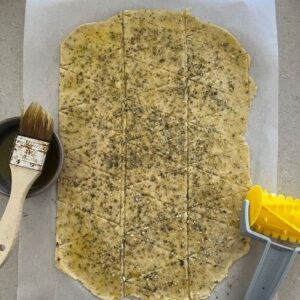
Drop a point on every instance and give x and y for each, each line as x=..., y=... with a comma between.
x=266, y=217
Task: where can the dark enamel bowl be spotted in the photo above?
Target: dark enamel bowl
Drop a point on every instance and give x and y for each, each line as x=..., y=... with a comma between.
x=53, y=164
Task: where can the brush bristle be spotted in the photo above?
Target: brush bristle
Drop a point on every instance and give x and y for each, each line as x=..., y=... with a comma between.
x=36, y=123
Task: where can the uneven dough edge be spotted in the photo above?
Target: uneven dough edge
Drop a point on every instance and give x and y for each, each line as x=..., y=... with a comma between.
x=251, y=93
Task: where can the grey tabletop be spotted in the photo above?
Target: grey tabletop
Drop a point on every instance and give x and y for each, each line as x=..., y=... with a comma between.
x=288, y=24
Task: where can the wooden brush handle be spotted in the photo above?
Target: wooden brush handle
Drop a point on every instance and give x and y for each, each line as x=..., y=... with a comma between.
x=22, y=180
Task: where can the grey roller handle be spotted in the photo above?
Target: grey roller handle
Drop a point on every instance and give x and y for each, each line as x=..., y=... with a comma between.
x=273, y=266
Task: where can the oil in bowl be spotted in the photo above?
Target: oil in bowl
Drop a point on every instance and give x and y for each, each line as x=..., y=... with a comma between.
x=51, y=166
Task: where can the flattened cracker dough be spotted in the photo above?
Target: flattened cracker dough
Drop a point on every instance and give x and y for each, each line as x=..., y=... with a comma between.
x=153, y=109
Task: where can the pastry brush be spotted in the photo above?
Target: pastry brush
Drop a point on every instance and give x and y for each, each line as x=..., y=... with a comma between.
x=269, y=218
x=26, y=164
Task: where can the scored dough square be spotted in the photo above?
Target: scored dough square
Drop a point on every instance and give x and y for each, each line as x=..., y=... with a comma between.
x=168, y=233
x=214, y=245
x=204, y=186
x=168, y=189
x=216, y=58
x=88, y=103
x=98, y=266
x=209, y=142
x=133, y=290
x=88, y=228
x=226, y=210
x=104, y=69
x=141, y=77
x=152, y=268
x=100, y=148
x=213, y=99
x=101, y=280
x=161, y=18
x=228, y=165
x=212, y=107
x=155, y=110
x=147, y=40
x=224, y=79
x=75, y=89
x=104, y=34
x=216, y=44
x=91, y=39
x=203, y=277
x=158, y=154
x=73, y=128
x=211, y=240
x=155, y=209
x=90, y=190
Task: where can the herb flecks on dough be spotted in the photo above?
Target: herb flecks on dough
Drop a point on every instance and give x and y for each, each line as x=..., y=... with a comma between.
x=153, y=109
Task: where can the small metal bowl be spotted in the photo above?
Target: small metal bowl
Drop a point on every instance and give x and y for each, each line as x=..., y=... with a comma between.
x=51, y=170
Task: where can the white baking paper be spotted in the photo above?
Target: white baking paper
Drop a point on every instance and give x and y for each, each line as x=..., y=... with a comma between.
x=47, y=22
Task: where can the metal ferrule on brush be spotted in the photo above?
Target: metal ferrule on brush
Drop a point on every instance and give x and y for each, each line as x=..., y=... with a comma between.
x=29, y=153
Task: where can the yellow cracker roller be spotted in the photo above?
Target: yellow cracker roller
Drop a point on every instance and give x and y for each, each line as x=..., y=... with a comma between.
x=265, y=217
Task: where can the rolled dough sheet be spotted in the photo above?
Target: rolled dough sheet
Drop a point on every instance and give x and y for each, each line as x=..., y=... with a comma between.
x=153, y=109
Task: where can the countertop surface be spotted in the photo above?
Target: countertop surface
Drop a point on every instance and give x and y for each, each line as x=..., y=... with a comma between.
x=288, y=25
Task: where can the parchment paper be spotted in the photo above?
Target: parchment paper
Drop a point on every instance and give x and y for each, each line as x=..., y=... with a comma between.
x=253, y=22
